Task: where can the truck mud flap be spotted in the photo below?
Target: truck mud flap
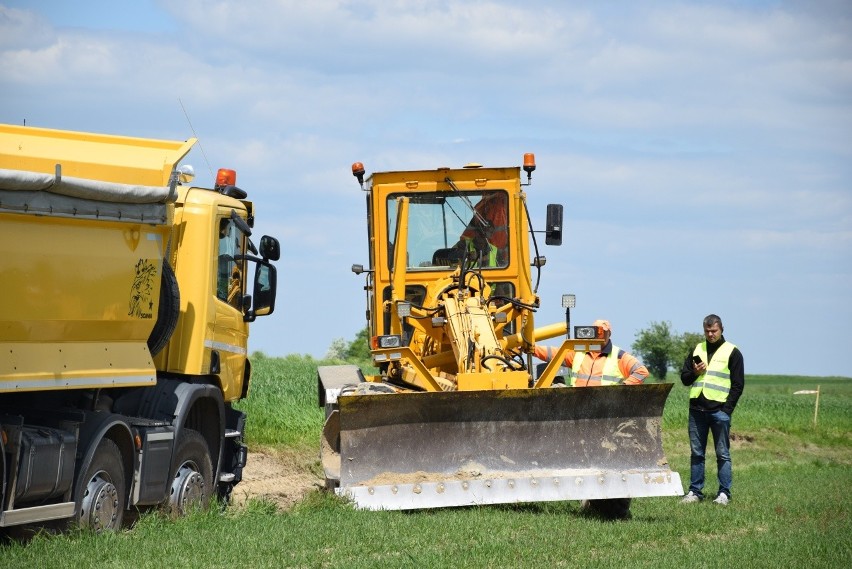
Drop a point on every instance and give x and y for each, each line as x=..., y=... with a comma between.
x=401, y=451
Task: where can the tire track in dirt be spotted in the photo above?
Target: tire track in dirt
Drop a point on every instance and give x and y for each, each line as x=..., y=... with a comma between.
x=280, y=477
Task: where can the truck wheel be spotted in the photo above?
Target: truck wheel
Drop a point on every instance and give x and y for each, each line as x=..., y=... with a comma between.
x=192, y=481
x=102, y=498
x=168, y=312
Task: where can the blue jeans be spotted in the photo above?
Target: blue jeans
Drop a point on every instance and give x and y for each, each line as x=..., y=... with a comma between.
x=700, y=422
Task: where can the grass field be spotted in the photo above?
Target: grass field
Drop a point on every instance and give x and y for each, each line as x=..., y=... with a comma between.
x=791, y=505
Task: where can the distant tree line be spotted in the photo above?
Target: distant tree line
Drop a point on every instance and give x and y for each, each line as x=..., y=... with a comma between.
x=660, y=348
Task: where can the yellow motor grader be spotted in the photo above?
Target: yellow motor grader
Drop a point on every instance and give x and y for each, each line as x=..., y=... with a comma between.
x=457, y=414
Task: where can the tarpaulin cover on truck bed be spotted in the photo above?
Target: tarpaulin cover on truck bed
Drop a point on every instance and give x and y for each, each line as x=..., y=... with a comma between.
x=82, y=188
x=47, y=194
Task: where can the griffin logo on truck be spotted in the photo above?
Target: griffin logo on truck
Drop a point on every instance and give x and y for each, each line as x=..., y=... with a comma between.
x=142, y=289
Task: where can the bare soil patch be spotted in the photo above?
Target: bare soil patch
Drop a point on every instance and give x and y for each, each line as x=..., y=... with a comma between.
x=282, y=477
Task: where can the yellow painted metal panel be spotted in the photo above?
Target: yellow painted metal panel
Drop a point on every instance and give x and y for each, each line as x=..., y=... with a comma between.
x=109, y=158
x=78, y=280
x=483, y=381
x=30, y=366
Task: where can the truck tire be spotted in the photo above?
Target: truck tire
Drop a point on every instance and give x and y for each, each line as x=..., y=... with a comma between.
x=192, y=479
x=167, y=314
x=101, y=490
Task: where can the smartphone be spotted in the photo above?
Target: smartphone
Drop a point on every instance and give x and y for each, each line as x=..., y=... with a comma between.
x=696, y=360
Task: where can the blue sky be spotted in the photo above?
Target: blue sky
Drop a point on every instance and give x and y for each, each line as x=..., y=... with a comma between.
x=702, y=150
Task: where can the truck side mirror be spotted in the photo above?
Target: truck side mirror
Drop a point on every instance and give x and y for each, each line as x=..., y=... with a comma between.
x=263, y=297
x=270, y=248
x=553, y=236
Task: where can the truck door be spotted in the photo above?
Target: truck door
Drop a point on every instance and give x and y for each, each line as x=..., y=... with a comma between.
x=230, y=332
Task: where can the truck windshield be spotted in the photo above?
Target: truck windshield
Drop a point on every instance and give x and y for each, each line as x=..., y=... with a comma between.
x=443, y=227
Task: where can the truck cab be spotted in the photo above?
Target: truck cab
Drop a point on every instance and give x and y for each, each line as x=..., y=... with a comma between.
x=124, y=326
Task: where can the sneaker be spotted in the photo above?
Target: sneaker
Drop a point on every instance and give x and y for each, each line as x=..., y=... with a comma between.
x=691, y=498
x=722, y=499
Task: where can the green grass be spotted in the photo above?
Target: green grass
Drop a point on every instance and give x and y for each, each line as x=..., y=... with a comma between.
x=768, y=405
x=791, y=504
x=770, y=525
x=282, y=404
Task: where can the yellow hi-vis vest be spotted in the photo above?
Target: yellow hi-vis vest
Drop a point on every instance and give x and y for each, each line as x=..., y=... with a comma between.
x=490, y=259
x=611, y=372
x=716, y=381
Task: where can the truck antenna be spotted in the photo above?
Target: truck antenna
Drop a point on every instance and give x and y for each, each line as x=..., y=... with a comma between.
x=196, y=136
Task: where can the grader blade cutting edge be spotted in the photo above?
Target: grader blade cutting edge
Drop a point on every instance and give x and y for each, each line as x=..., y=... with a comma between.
x=432, y=450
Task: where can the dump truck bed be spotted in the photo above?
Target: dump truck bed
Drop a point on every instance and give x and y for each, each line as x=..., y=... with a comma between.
x=85, y=222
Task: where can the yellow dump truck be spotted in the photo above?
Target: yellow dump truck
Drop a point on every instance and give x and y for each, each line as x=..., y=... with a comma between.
x=457, y=414
x=124, y=315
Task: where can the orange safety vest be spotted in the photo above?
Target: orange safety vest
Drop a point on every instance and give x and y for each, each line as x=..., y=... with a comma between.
x=587, y=372
x=608, y=374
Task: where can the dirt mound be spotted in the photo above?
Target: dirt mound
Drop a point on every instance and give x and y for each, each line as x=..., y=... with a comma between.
x=280, y=476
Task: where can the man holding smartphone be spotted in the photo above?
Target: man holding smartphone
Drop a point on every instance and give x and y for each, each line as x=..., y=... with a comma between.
x=715, y=372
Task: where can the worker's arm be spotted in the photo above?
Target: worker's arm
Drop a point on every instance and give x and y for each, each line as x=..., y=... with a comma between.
x=687, y=372
x=632, y=369
x=545, y=354
x=737, y=369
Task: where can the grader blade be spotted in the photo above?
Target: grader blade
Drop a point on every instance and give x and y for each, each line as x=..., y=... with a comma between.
x=431, y=450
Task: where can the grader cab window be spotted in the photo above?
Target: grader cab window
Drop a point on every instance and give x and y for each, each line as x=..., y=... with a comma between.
x=229, y=283
x=444, y=227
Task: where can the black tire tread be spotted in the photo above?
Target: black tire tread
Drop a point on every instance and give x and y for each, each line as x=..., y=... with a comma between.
x=167, y=312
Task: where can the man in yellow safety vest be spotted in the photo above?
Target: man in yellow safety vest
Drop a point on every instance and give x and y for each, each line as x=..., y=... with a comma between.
x=714, y=372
